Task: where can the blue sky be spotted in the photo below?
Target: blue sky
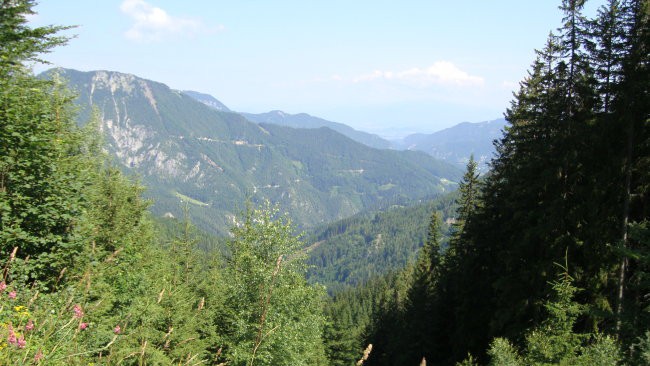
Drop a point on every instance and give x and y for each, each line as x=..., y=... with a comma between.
x=388, y=67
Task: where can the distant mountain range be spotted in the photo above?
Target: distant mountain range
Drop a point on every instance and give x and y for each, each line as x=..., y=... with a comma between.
x=304, y=120
x=213, y=160
x=457, y=143
x=453, y=145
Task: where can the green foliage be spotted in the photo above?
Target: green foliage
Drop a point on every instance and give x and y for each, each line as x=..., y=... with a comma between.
x=45, y=327
x=354, y=250
x=420, y=307
x=20, y=43
x=469, y=361
x=502, y=353
x=351, y=313
x=118, y=289
x=580, y=118
x=41, y=153
x=266, y=280
x=642, y=350
x=554, y=342
x=88, y=278
x=467, y=201
x=182, y=148
x=172, y=318
x=571, y=127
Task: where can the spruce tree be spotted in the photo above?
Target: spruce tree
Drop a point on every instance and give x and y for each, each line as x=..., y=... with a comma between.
x=631, y=110
x=42, y=161
x=455, y=292
x=421, y=298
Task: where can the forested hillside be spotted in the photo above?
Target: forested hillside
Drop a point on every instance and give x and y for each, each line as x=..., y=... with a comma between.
x=549, y=258
x=545, y=260
x=354, y=250
x=457, y=143
x=303, y=120
x=184, y=150
x=89, y=278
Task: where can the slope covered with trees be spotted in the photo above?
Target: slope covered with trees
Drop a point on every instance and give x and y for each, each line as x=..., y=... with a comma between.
x=87, y=277
x=185, y=150
x=569, y=185
x=455, y=144
x=303, y=120
x=352, y=251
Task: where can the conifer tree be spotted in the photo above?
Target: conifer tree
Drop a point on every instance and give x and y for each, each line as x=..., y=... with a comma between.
x=631, y=110
x=546, y=194
x=467, y=202
x=421, y=297
x=41, y=155
x=554, y=342
x=20, y=43
x=274, y=317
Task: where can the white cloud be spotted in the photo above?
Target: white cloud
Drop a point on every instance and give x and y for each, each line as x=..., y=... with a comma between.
x=440, y=73
x=151, y=23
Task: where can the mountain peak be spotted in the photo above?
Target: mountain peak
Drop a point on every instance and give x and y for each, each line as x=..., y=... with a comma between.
x=278, y=113
x=455, y=144
x=207, y=99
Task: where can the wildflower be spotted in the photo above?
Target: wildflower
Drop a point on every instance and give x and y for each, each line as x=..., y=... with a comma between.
x=21, y=310
x=21, y=342
x=12, y=294
x=3, y=286
x=83, y=326
x=29, y=326
x=11, y=338
x=38, y=356
x=117, y=329
x=78, y=311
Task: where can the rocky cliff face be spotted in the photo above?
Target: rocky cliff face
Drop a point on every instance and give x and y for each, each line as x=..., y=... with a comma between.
x=132, y=140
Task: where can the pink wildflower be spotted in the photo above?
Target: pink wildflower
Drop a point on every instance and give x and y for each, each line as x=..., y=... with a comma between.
x=11, y=339
x=21, y=343
x=29, y=326
x=3, y=286
x=117, y=329
x=83, y=326
x=78, y=311
x=38, y=356
x=12, y=294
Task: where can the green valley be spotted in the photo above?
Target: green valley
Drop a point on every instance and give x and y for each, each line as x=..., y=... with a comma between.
x=142, y=225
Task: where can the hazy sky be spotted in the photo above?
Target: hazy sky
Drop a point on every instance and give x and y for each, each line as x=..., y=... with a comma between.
x=388, y=67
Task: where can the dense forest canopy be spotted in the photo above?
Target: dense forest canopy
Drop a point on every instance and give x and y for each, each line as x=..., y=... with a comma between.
x=545, y=260
x=568, y=186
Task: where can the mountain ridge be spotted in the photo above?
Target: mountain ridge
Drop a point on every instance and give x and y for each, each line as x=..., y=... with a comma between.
x=304, y=120
x=455, y=144
x=207, y=99
x=299, y=120
x=214, y=161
